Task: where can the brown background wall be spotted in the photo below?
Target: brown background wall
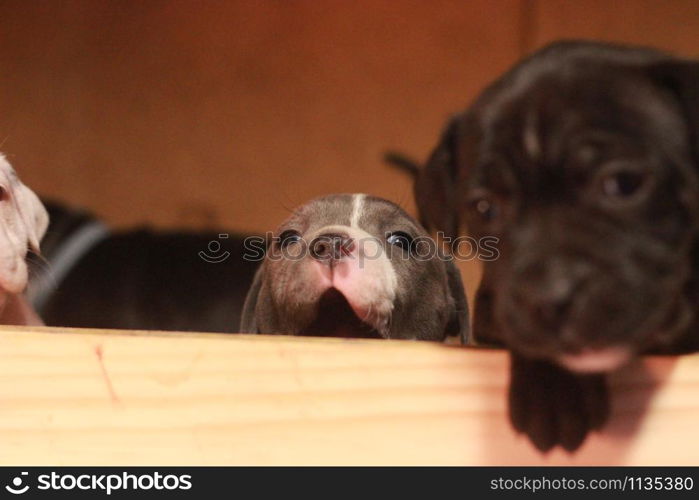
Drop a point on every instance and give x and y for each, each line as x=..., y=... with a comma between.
x=168, y=111
x=196, y=113
x=230, y=112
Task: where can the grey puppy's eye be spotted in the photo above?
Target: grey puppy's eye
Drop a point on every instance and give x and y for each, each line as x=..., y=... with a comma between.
x=400, y=239
x=288, y=237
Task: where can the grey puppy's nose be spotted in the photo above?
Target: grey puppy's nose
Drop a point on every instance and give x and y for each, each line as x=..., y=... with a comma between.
x=330, y=247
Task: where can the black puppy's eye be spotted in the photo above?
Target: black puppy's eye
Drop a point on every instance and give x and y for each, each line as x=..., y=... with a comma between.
x=400, y=239
x=622, y=183
x=288, y=237
x=485, y=207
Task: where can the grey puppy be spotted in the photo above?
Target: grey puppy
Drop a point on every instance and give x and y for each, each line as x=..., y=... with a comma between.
x=584, y=161
x=353, y=265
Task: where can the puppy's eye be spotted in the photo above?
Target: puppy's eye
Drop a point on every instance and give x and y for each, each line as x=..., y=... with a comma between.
x=485, y=207
x=622, y=183
x=288, y=237
x=4, y=193
x=400, y=239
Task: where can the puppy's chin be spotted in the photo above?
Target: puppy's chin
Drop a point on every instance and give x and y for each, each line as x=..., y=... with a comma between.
x=595, y=360
x=336, y=317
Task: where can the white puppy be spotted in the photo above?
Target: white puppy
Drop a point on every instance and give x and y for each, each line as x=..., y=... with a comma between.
x=23, y=222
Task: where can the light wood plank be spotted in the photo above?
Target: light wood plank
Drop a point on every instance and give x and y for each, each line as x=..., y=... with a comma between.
x=99, y=397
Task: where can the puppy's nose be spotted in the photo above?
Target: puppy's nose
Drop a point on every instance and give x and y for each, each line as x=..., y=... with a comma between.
x=552, y=310
x=330, y=247
x=550, y=291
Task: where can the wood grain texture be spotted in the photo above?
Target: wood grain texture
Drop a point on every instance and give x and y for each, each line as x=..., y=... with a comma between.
x=99, y=397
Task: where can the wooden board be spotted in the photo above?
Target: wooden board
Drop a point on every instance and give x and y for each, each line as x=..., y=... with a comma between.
x=99, y=397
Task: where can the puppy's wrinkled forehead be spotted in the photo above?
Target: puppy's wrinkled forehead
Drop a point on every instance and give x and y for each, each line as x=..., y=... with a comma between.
x=552, y=116
x=369, y=213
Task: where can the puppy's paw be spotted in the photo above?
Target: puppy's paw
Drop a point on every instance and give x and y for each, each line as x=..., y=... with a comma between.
x=553, y=406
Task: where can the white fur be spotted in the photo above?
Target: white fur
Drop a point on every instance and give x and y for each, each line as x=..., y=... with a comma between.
x=23, y=222
x=357, y=209
x=371, y=291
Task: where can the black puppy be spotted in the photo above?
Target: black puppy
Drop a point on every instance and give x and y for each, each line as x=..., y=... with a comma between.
x=138, y=279
x=584, y=161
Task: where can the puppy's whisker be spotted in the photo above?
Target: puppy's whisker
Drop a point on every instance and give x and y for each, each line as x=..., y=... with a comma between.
x=368, y=316
x=38, y=255
x=389, y=321
x=42, y=269
x=291, y=211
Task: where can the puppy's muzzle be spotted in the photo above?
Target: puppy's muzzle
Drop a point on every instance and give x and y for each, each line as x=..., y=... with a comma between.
x=328, y=248
x=547, y=290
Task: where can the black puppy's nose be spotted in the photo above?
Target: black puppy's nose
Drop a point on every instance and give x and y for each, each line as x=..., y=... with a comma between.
x=330, y=247
x=552, y=310
x=548, y=292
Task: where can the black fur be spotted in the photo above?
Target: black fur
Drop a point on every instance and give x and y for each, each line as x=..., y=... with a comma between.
x=145, y=279
x=584, y=161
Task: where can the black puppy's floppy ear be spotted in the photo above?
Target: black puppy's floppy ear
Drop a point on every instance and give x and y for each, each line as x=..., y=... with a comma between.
x=438, y=188
x=681, y=77
x=458, y=325
x=435, y=187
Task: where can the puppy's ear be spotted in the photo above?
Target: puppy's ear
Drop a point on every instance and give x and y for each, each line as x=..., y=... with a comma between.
x=458, y=325
x=23, y=221
x=402, y=162
x=248, y=324
x=435, y=186
x=681, y=77
x=439, y=186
